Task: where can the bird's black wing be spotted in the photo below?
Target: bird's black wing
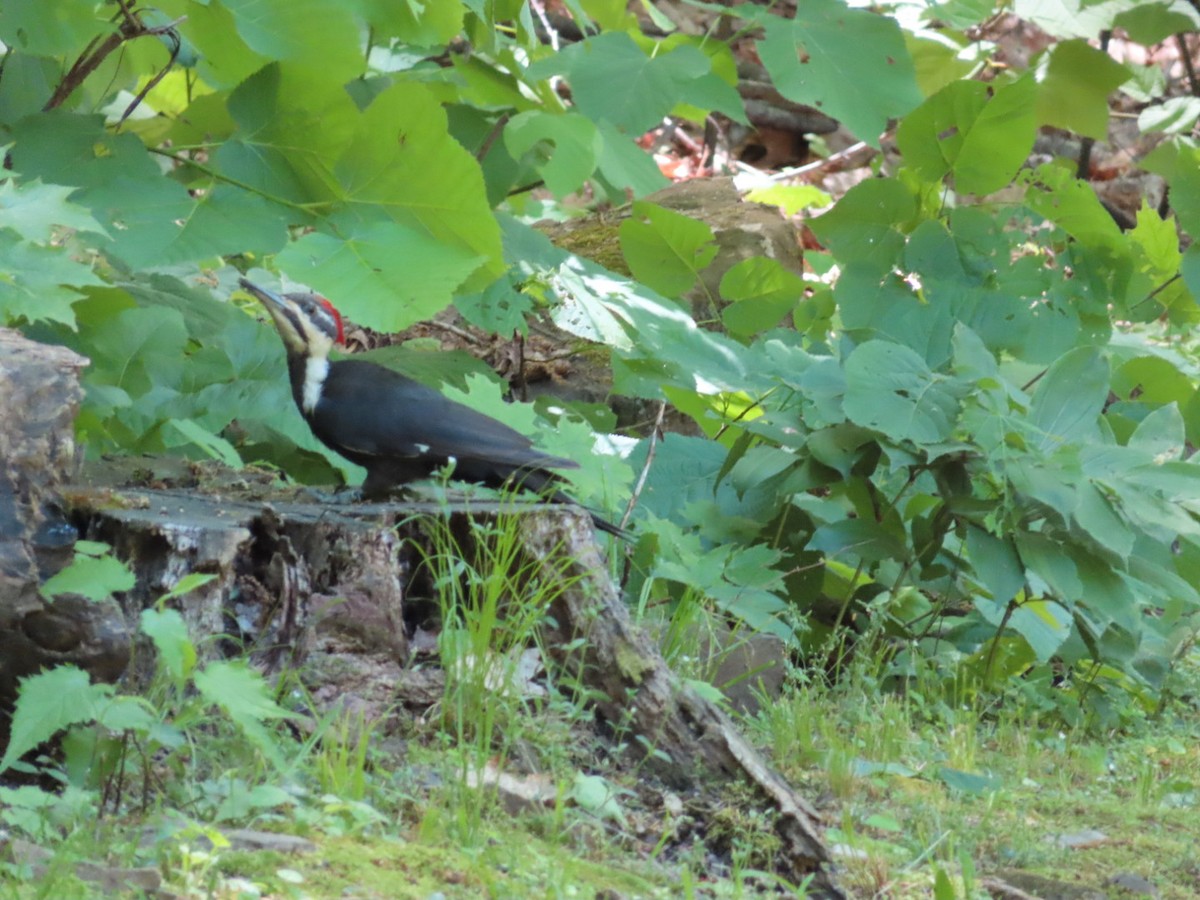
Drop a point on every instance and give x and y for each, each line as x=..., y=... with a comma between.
x=395, y=416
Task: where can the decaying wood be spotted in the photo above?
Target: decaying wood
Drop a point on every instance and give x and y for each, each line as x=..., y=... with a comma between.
x=39, y=399
x=638, y=690
x=285, y=572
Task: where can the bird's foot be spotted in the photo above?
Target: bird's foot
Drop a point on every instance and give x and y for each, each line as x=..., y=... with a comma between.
x=339, y=495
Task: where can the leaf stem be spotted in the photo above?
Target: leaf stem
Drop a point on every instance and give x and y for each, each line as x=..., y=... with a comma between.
x=217, y=176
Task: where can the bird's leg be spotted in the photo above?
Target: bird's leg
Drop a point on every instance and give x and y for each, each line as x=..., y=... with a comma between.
x=341, y=494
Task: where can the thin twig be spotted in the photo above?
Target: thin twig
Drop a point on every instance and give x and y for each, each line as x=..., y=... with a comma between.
x=834, y=159
x=482, y=152
x=1186, y=55
x=176, y=46
x=641, y=482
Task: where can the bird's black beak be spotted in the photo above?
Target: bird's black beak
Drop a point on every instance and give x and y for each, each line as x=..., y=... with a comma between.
x=270, y=298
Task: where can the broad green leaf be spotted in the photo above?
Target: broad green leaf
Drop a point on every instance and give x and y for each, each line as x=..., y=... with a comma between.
x=791, y=198
x=613, y=81
x=213, y=445
x=1072, y=205
x=38, y=283
x=168, y=631
x=403, y=160
x=321, y=34
x=625, y=165
x=857, y=539
x=1069, y=18
x=1068, y=400
x=49, y=702
x=1161, y=434
x=996, y=563
x=574, y=139
x=93, y=576
x=149, y=219
x=849, y=63
x=761, y=292
x=52, y=27
x=1094, y=513
x=501, y=308
x=982, y=133
x=246, y=698
x=1049, y=562
x=225, y=221
x=33, y=209
x=666, y=250
x=968, y=783
x=867, y=223
x=1150, y=23
x=889, y=388
x=1175, y=115
x=383, y=274
x=1075, y=80
x=426, y=24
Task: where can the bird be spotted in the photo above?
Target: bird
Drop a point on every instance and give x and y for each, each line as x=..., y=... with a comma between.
x=398, y=429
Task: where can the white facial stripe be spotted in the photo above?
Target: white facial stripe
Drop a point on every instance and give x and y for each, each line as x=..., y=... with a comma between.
x=316, y=368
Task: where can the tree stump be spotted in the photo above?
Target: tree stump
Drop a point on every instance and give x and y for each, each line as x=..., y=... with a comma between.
x=39, y=398
x=279, y=563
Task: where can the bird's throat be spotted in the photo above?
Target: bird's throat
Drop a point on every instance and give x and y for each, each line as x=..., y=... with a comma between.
x=316, y=369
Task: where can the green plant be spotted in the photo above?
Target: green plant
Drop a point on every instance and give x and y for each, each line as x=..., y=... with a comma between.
x=967, y=424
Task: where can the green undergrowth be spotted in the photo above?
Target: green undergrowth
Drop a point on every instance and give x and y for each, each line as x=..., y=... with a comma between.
x=926, y=787
x=922, y=794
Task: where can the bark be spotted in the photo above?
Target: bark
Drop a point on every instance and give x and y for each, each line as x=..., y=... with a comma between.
x=278, y=566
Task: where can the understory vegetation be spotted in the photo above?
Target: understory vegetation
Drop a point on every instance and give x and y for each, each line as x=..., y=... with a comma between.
x=949, y=465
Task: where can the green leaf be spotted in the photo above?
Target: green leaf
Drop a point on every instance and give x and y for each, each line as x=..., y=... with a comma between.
x=598, y=797
x=666, y=250
x=1161, y=434
x=1068, y=400
x=857, y=539
x=93, y=576
x=1069, y=18
x=1071, y=204
x=425, y=24
x=761, y=292
x=889, y=388
x=613, y=81
x=1075, y=81
x=320, y=34
x=403, y=160
x=501, y=308
x=215, y=446
x=49, y=702
x=169, y=632
x=968, y=782
x=1150, y=23
x=1094, y=513
x=29, y=26
x=791, y=198
x=1175, y=115
x=383, y=274
x=33, y=209
x=38, y=283
x=982, y=133
x=867, y=224
x=849, y=63
x=576, y=143
x=625, y=165
x=246, y=698
x=996, y=563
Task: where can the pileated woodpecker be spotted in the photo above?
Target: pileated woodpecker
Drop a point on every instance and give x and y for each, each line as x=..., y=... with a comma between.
x=398, y=429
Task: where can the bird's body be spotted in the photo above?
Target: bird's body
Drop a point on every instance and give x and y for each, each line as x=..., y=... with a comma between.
x=396, y=428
